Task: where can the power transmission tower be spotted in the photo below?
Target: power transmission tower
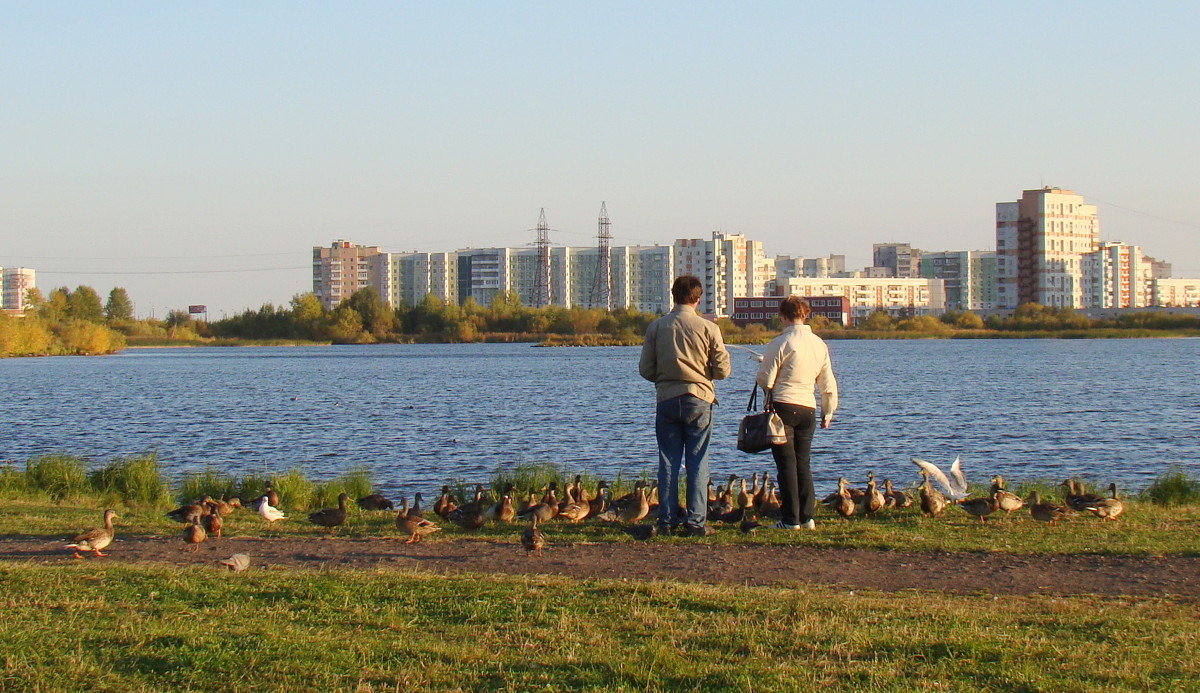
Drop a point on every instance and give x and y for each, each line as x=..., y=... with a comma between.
x=541, y=283
x=602, y=287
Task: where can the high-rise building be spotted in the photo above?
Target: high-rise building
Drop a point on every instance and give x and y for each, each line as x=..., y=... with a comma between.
x=1176, y=292
x=15, y=283
x=787, y=267
x=969, y=276
x=1040, y=243
x=729, y=266
x=343, y=268
x=901, y=258
x=1117, y=275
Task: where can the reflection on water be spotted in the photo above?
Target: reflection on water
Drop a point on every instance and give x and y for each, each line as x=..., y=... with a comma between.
x=417, y=415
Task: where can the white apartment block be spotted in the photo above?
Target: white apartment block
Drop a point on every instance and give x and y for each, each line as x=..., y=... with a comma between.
x=15, y=283
x=728, y=266
x=1176, y=292
x=1042, y=262
x=901, y=258
x=1117, y=275
x=413, y=276
x=787, y=266
x=899, y=297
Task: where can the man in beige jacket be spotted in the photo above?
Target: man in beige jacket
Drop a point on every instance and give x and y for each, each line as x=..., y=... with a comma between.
x=682, y=355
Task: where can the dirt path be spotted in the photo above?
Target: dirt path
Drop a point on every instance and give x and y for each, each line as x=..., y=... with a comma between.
x=993, y=573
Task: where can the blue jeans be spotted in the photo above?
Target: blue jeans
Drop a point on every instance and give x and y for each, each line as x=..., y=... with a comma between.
x=683, y=426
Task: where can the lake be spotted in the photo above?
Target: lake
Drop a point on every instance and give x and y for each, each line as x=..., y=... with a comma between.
x=418, y=416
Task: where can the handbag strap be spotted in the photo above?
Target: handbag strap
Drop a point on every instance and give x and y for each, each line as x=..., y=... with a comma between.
x=768, y=404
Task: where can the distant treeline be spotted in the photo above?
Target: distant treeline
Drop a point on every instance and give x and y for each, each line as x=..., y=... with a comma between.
x=78, y=322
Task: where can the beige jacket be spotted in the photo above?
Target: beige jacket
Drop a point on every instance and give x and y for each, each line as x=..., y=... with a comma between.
x=796, y=362
x=682, y=355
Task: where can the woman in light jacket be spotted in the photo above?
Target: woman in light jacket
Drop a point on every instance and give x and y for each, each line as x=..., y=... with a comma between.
x=794, y=364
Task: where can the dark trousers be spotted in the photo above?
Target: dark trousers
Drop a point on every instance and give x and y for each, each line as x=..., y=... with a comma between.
x=791, y=461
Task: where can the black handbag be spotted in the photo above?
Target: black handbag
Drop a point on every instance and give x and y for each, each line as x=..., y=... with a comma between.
x=760, y=430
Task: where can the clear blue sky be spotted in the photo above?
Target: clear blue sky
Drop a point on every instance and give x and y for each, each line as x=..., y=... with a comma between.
x=157, y=146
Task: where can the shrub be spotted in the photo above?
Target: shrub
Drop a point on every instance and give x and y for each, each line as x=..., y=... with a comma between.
x=294, y=489
x=209, y=482
x=355, y=483
x=136, y=480
x=1175, y=487
x=12, y=481
x=58, y=476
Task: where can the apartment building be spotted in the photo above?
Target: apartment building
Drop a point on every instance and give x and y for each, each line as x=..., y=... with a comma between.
x=343, y=268
x=898, y=297
x=787, y=266
x=15, y=283
x=1117, y=275
x=969, y=275
x=1175, y=293
x=901, y=259
x=728, y=265
x=1040, y=243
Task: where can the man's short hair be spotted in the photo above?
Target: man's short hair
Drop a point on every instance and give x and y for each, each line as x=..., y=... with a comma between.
x=687, y=289
x=794, y=307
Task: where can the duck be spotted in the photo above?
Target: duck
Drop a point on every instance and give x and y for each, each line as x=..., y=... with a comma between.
x=639, y=508
x=414, y=527
x=1006, y=501
x=1107, y=508
x=471, y=515
x=843, y=504
x=416, y=510
x=213, y=523
x=1076, y=497
x=331, y=517
x=503, y=510
x=894, y=498
x=544, y=510
x=932, y=500
x=187, y=511
x=224, y=507
x=445, y=504
x=771, y=506
x=641, y=532
x=374, y=501
x=743, y=497
x=573, y=511
x=599, y=503
x=95, y=539
x=1045, y=512
x=979, y=507
x=269, y=512
x=532, y=538
x=873, y=501
x=272, y=497
x=193, y=534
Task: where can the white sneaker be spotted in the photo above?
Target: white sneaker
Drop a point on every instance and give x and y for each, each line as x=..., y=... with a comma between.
x=810, y=524
x=783, y=525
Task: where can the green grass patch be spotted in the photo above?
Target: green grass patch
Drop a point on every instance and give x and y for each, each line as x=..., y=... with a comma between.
x=136, y=480
x=1172, y=488
x=142, y=628
x=58, y=476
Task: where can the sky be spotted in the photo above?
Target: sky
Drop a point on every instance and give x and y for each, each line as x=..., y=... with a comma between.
x=194, y=153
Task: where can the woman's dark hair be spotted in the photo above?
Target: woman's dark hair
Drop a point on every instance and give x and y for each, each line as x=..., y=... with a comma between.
x=686, y=289
x=794, y=307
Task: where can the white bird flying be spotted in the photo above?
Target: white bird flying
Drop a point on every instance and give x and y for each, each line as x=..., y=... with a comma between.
x=269, y=513
x=753, y=354
x=955, y=485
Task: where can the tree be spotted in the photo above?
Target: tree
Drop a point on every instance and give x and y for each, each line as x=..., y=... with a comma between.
x=84, y=304
x=118, y=307
x=178, y=318
x=56, y=306
x=879, y=320
x=376, y=317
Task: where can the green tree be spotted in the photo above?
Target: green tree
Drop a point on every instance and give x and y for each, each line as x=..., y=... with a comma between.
x=56, y=306
x=969, y=321
x=879, y=320
x=308, y=316
x=377, y=318
x=84, y=304
x=178, y=318
x=118, y=307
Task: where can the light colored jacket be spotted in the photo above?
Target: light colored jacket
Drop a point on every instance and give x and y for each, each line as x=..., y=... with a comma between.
x=682, y=354
x=796, y=362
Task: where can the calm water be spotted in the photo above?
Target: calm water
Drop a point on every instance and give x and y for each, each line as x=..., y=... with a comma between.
x=419, y=415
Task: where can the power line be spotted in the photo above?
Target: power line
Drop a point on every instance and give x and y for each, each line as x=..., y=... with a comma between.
x=164, y=257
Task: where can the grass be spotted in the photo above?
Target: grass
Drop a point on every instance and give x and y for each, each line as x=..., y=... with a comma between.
x=149, y=628
x=136, y=480
x=1173, y=488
